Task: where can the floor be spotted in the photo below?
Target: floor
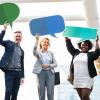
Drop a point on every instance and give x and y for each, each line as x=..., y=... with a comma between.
x=64, y=91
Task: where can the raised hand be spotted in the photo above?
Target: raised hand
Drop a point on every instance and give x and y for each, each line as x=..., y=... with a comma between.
x=97, y=39
x=97, y=43
x=66, y=39
x=37, y=37
x=5, y=26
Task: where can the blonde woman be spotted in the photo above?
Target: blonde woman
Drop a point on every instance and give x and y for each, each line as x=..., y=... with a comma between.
x=44, y=68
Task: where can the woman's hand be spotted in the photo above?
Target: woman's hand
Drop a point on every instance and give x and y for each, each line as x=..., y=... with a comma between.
x=97, y=39
x=97, y=42
x=45, y=66
x=67, y=39
x=37, y=37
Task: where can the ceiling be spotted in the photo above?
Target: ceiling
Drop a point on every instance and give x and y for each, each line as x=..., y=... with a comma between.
x=31, y=1
x=54, y=7
x=69, y=15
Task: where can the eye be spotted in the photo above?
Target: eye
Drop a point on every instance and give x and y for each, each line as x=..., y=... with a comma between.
x=18, y=36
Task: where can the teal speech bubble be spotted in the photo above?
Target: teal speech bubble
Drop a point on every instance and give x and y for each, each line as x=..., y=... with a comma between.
x=80, y=32
x=8, y=13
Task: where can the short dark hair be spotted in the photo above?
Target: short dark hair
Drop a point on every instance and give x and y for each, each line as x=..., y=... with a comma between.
x=90, y=45
x=18, y=32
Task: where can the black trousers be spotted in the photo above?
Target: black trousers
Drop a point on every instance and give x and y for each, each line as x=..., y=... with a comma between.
x=12, y=84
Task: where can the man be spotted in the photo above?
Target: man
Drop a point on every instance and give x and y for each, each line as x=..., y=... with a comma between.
x=12, y=63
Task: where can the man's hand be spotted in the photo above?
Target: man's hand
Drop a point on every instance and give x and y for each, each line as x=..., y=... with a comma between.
x=21, y=81
x=5, y=26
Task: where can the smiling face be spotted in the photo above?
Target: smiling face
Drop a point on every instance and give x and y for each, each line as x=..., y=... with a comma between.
x=84, y=47
x=18, y=37
x=44, y=44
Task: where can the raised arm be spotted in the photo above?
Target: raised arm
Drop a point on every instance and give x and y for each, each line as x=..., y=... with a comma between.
x=35, y=52
x=96, y=53
x=5, y=26
x=70, y=47
x=97, y=43
x=2, y=35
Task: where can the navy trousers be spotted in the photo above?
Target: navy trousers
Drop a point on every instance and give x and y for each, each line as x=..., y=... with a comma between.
x=12, y=84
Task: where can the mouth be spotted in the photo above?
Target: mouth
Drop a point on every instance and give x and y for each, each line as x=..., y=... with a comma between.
x=18, y=40
x=84, y=49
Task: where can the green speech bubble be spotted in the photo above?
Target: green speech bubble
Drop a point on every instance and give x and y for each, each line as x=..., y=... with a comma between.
x=8, y=13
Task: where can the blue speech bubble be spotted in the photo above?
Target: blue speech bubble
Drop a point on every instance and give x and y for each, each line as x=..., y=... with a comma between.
x=80, y=32
x=47, y=25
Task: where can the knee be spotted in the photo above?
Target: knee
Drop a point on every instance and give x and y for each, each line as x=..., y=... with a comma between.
x=50, y=93
x=8, y=92
x=7, y=95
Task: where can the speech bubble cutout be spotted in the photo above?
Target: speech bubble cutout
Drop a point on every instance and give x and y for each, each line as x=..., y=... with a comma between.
x=80, y=32
x=47, y=25
x=8, y=13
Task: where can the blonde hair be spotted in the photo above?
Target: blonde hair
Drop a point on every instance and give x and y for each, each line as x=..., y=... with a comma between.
x=43, y=40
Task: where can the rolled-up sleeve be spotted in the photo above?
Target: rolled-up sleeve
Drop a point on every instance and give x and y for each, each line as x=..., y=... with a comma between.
x=35, y=52
x=54, y=63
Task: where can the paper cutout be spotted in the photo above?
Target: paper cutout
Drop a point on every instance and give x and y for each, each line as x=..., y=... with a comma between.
x=47, y=25
x=80, y=32
x=8, y=13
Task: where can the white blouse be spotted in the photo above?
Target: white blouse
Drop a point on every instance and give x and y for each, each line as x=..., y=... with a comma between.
x=81, y=73
x=45, y=58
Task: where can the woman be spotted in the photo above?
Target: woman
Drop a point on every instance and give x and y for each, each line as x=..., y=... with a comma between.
x=84, y=69
x=44, y=68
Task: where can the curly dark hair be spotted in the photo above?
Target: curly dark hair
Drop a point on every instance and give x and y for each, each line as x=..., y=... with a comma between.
x=90, y=45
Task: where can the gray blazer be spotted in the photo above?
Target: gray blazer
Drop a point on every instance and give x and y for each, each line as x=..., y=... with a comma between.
x=38, y=64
